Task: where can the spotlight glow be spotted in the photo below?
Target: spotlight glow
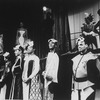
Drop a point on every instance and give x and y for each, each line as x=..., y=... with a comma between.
x=44, y=8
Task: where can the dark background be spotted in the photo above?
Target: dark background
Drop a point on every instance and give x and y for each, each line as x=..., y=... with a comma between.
x=12, y=12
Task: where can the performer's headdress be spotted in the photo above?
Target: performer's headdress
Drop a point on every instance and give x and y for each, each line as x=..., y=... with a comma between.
x=6, y=54
x=89, y=17
x=81, y=39
x=29, y=43
x=53, y=40
x=18, y=47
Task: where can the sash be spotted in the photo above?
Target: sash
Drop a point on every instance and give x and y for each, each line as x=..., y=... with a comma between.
x=30, y=67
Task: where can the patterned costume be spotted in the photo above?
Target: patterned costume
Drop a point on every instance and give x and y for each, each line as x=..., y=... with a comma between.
x=31, y=89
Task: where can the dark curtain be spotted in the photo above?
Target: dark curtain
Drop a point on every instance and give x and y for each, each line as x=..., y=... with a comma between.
x=61, y=30
x=57, y=26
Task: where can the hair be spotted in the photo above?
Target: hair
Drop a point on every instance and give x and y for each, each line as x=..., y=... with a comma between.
x=89, y=18
x=98, y=12
x=86, y=40
x=21, y=49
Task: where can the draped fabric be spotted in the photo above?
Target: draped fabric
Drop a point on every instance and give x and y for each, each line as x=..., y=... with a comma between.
x=30, y=68
x=61, y=30
x=56, y=27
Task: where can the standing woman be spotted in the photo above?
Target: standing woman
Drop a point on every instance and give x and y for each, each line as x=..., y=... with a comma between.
x=16, y=88
x=31, y=87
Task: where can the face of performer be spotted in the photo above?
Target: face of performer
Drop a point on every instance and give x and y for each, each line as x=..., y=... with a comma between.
x=51, y=45
x=29, y=50
x=82, y=46
x=17, y=52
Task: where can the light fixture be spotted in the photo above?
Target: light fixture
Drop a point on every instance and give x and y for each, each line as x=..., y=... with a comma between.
x=46, y=9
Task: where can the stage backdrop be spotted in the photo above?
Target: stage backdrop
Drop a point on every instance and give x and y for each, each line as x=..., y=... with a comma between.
x=76, y=19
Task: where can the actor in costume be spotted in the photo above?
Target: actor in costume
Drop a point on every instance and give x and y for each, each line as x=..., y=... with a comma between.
x=4, y=74
x=51, y=71
x=88, y=30
x=97, y=25
x=85, y=72
x=16, y=88
x=31, y=85
x=8, y=73
x=2, y=71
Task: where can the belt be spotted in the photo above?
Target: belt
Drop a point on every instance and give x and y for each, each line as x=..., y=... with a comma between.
x=81, y=79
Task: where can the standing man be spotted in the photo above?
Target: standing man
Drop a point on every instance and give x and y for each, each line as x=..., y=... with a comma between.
x=30, y=76
x=51, y=71
x=85, y=72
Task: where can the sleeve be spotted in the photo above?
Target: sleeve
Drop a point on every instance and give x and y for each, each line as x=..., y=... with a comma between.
x=92, y=70
x=56, y=67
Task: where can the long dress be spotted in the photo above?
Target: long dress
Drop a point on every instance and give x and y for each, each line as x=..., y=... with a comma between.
x=31, y=89
x=35, y=93
x=16, y=87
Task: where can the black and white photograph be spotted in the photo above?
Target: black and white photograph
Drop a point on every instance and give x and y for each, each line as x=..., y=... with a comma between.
x=49, y=49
